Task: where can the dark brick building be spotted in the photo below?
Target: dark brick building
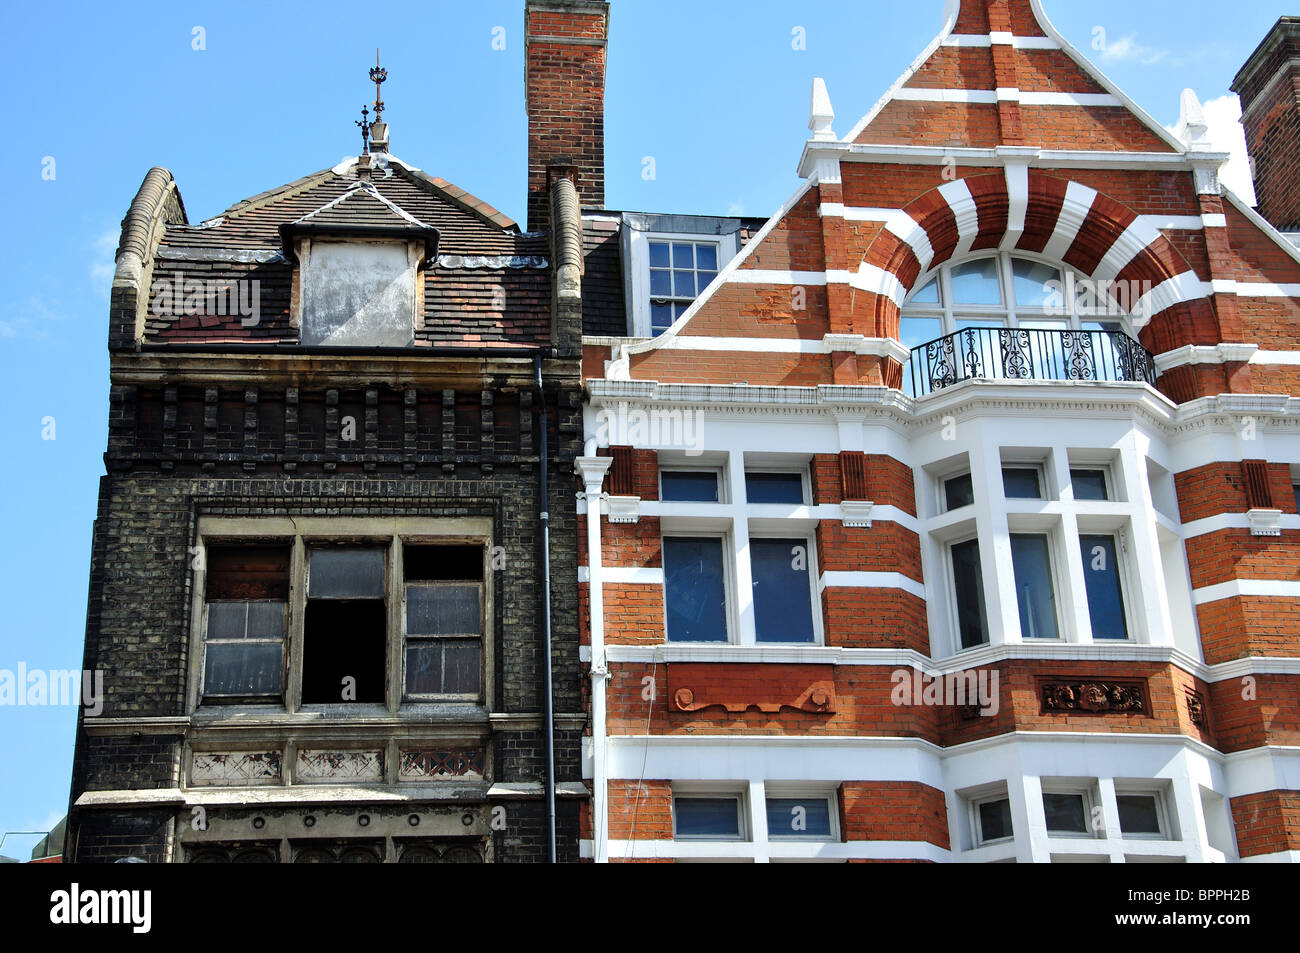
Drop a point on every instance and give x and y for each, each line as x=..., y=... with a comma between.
x=318, y=581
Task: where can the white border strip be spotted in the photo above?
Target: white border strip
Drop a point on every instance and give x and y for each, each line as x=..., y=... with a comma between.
x=1279, y=588
x=846, y=579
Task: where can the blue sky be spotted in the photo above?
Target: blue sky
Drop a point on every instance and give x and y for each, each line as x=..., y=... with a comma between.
x=715, y=92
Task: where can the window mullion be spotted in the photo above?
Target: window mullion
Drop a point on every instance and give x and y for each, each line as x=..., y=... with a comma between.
x=395, y=679
x=297, y=615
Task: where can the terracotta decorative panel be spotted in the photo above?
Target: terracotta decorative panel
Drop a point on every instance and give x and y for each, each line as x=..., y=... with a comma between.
x=1094, y=697
x=419, y=764
x=769, y=688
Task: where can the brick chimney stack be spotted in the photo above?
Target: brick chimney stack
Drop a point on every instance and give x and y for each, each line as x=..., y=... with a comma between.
x=1269, y=87
x=564, y=75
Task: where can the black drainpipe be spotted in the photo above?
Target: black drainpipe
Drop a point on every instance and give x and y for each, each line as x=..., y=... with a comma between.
x=548, y=701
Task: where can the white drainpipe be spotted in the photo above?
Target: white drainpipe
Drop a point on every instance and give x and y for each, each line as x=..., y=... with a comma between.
x=592, y=469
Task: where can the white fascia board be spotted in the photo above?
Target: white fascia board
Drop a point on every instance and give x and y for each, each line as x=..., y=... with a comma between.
x=847, y=579
x=1268, y=588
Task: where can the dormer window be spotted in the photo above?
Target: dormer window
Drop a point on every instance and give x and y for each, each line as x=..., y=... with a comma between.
x=679, y=271
x=359, y=281
x=358, y=293
x=670, y=260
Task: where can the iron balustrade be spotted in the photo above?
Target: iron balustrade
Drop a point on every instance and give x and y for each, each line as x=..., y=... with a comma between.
x=1028, y=354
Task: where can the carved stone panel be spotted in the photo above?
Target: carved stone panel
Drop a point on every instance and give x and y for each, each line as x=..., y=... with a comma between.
x=1094, y=697
x=339, y=766
x=237, y=768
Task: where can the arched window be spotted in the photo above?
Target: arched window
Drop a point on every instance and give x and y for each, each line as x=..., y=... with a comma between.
x=1005, y=316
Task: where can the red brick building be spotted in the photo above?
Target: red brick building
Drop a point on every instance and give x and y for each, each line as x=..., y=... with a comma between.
x=950, y=513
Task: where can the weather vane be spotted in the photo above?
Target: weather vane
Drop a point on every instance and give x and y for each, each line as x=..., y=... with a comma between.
x=377, y=76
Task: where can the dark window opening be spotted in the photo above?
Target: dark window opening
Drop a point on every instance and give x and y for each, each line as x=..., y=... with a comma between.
x=782, y=590
x=1036, y=598
x=1101, y=579
x=1089, y=484
x=1065, y=813
x=995, y=820
x=344, y=647
x=958, y=492
x=798, y=817
x=1022, y=483
x=345, y=630
x=707, y=818
x=774, y=488
x=689, y=486
x=968, y=580
x=695, y=591
x=1138, y=814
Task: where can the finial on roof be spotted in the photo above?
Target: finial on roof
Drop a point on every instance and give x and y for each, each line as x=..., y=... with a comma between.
x=1191, y=121
x=379, y=128
x=821, y=115
x=377, y=76
x=364, y=123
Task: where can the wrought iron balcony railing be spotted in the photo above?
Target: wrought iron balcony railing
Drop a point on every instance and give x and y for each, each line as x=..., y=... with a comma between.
x=1028, y=354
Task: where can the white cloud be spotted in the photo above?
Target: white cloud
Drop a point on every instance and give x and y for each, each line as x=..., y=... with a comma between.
x=1128, y=49
x=1223, y=119
x=736, y=209
x=31, y=318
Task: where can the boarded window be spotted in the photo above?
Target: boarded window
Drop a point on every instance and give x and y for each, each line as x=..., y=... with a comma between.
x=358, y=294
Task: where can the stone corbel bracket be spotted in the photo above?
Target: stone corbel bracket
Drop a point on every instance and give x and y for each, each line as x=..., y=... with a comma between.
x=623, y=509
x=1265, y=522
x=856, y=513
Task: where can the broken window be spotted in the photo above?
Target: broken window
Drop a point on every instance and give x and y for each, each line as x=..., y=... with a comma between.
x=444, y=620
x=246, y=607
x=345, y=627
